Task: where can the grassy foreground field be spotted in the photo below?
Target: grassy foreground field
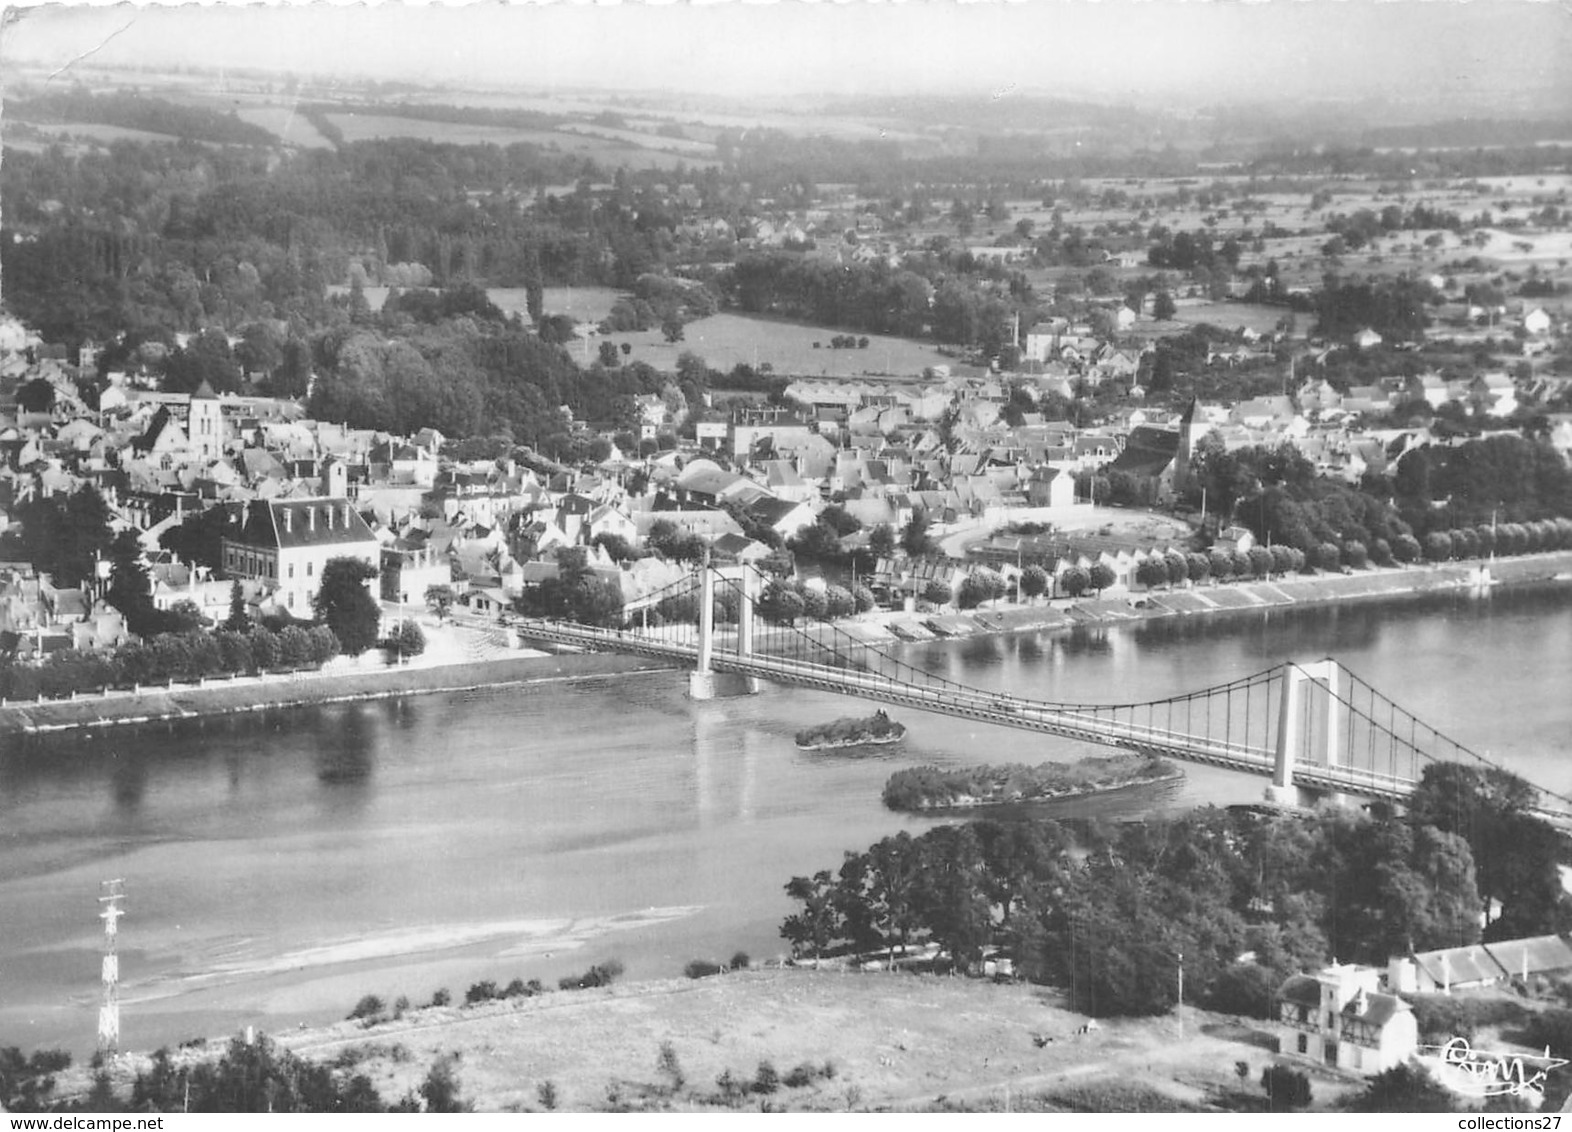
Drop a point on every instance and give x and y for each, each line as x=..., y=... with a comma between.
x=896, y=1042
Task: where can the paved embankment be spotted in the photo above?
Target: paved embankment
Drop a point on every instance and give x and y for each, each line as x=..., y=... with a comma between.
x=1216, y=598
x=223, y=697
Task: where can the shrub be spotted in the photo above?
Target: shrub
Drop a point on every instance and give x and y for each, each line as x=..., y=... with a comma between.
x=1404, y=1088
x=800, y=1076
x=368, y=1007
x=766, y=1080
x=294, y=646
x=600, y=975
x=936, y=592
x=669, y=1067
x=732, y=1088
x=1381, y=552
x=483, y=991
x=1355, y=554
x=701, y=969
x=1286, y=1089
x=1438, y=546
x=546, y=1091
x=441, y=998
x=740, y=961
x=1328, y=556
x=863, y=598
x=815, y=605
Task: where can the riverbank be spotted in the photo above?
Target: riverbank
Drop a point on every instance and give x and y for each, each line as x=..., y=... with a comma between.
x=1228, y=597
x=251, y=694
x=340, y=681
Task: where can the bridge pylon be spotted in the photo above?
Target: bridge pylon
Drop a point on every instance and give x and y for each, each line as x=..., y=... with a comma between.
x=1296, y=728
x=704, y=683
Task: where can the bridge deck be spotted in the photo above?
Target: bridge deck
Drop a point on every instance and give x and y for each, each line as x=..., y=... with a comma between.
x=987, y=707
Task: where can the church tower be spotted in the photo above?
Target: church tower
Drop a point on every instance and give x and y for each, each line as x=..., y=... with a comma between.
x=205, y=423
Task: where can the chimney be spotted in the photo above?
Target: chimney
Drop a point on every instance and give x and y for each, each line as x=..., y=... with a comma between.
x=346, y=516
x=289, y=520
x=311, y=518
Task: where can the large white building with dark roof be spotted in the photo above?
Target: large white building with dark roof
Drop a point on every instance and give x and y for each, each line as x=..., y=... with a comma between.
x=284, y=543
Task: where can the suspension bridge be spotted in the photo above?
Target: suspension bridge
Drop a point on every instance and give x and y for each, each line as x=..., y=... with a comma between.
x=1313, y=729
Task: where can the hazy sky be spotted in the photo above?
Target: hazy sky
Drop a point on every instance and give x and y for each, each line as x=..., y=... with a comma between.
x=1462, y=52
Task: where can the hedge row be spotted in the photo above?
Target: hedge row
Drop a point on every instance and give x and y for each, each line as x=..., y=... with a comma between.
x=170, y=657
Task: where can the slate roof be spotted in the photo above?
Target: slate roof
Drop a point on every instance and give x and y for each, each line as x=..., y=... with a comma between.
x=286, y=524
x=1147, y=451
x=1542, y=953
x=1459, y=966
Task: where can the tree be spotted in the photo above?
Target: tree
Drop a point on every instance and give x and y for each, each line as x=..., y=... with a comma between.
x=881, y=541
x=1152, y=572
x=671, y=330
x=345, y=604
x=1163, y=307
x=915, y=540
x=979, y=586
x=1101, y=577
x=406, y=640
x=1075, y=580
x=130, y=587
x=439, y=599
x=818, y=924
x=36, y=396
x=1034, y=581
x=237, y=621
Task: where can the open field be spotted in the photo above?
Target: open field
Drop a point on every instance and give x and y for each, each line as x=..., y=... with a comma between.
x=98, y=132
x=582, y=304
x=362, y=127
x=724, y=340
x=290, y=127
x=1234, y=316
x=897, y=1043
x=642, y=139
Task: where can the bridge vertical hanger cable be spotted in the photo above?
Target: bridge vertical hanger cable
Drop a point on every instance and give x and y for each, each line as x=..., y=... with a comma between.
x=816, y=652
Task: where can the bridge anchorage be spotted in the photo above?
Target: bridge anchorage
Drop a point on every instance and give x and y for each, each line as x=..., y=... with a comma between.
x=1314, y=730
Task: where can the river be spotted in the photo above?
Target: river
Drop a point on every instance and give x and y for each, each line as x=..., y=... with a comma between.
x=277, y=867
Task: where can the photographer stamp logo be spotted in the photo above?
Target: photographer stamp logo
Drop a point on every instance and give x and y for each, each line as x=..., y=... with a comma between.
x=1478, y=1073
